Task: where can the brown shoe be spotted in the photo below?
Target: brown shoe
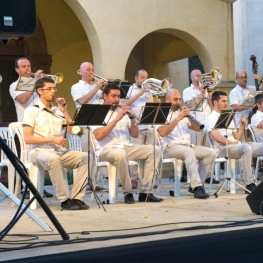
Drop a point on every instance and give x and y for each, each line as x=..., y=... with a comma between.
x=134, y=184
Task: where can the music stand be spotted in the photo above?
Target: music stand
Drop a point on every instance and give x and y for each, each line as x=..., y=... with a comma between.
x=223, y=122
x=124, y=89
x=155, y=113
x=199, y=105
x=250, y=99
x=26, y=84
x=91, y=115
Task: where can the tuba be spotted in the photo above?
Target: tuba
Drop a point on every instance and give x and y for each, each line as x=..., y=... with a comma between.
x=212, y=79
x=157, y=87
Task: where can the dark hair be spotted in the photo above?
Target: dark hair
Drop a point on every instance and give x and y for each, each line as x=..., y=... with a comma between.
x=41, y=82
x=138, y=72
x=259, y=98
x=110, y=86
x=216, y=95
x=21, y=58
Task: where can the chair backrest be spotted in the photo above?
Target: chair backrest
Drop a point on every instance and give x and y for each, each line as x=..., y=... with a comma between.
x=5, y=134
x=16, y=128
x=74, y=142
x=252, y=133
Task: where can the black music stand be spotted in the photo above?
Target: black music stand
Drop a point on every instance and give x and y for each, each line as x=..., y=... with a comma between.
x=91, y=115
x=155, y=113
x=223, y=122
x=124, y=89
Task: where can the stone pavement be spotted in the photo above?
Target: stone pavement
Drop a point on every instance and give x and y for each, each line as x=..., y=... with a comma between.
x=124, y=224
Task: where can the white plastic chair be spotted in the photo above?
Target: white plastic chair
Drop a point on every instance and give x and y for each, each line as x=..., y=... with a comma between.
x=260, y=158
x=35, y=174
x=4, y=161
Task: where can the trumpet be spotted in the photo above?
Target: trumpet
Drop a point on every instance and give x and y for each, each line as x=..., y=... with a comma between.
x=131, y=114
x=201, y=126
x=95, y=78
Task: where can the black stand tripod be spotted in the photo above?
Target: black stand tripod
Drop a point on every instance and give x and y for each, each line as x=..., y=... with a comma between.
x=20, y=168
x=155, y=113
x=91, y=115
x=224, y=122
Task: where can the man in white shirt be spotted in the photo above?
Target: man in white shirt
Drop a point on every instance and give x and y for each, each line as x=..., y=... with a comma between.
x=112, y=144
x=43, y=129
x=24, y=99
x=195, y=94
x=227, y=141
x=257, y=119
x=87, y=92
x=138, y=96
x=175, y=140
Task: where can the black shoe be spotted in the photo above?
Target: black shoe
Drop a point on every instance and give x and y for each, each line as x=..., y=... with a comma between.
x=129, y=199
x=69, y=205
x=150, y=198
x=27, y=196
x=47, y=194
x=207, y=181
x=250, y=187
x=190, y=190
x=81, y=204
x=200, y=193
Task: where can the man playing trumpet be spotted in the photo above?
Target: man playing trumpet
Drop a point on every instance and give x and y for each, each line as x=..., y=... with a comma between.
x=175, y=140
x=113, y=145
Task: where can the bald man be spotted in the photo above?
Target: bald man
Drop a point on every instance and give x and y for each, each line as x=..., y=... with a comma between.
x=87, y=92
x=192, y=95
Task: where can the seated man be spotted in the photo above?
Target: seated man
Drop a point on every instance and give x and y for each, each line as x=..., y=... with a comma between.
x=175, y=140
x=257, y=119
x=231, y=145
x=113, y=145
x=43, y=129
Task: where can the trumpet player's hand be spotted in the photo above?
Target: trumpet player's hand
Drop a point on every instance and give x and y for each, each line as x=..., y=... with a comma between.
x=101, y=83
x=38, y=73
x=143, y=89
x=183, y=113
x=60, y=141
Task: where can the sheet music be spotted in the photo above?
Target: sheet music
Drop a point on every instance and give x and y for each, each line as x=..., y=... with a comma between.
x=250, y=99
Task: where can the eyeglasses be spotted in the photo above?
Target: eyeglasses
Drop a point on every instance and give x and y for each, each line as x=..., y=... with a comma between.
x=242, y=77
x=49, y=89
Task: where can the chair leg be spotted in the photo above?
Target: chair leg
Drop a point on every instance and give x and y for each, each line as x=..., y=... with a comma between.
x=34, y=175
x=112, y=175
x=177, y=177
x=232, y=173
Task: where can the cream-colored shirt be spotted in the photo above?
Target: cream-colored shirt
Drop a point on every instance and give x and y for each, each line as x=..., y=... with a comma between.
x=210, y=123
x=255, y=120
x=20, y=108
x=82, y=88
x=44, y=125
x=180, y=134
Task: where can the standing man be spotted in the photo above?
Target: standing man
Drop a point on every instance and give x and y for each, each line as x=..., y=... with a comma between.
x=43, y=129
x=257, y=119
x=175, y=140
x=24, y=99
x=138, y=96
x=228, y=141
x=194, y=94
x=86, y=92
x=113, y=145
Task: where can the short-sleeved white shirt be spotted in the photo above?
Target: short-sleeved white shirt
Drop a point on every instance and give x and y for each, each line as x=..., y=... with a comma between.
x=20, y=108
x=255, y=120
x=45, y=124
x=180, y=134
x=237, y=96
x=118, y=136
x=210, y=123
x=81, y=88
x=191, y=93
x=137, y=106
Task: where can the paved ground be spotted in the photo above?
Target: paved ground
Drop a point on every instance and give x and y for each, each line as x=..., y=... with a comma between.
x=124, y=224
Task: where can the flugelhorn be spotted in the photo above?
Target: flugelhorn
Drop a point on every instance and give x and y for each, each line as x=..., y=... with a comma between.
x=157, y=87
x=212, y=79
x=201, y=126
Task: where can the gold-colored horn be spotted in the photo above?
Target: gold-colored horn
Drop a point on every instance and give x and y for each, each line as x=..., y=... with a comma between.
x=59, y=77
x=212, y=79
x=1, y=78
x=157, y=87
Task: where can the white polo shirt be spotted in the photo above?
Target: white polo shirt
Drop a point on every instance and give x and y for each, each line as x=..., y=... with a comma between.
x=138, y=105
x=81, y=88
x=237, y=96
x=118, y=136
x=210, y=123
x=180, y=134
x=255, y=120
x=191, y=93
x=20, y=108
x=44, y=125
